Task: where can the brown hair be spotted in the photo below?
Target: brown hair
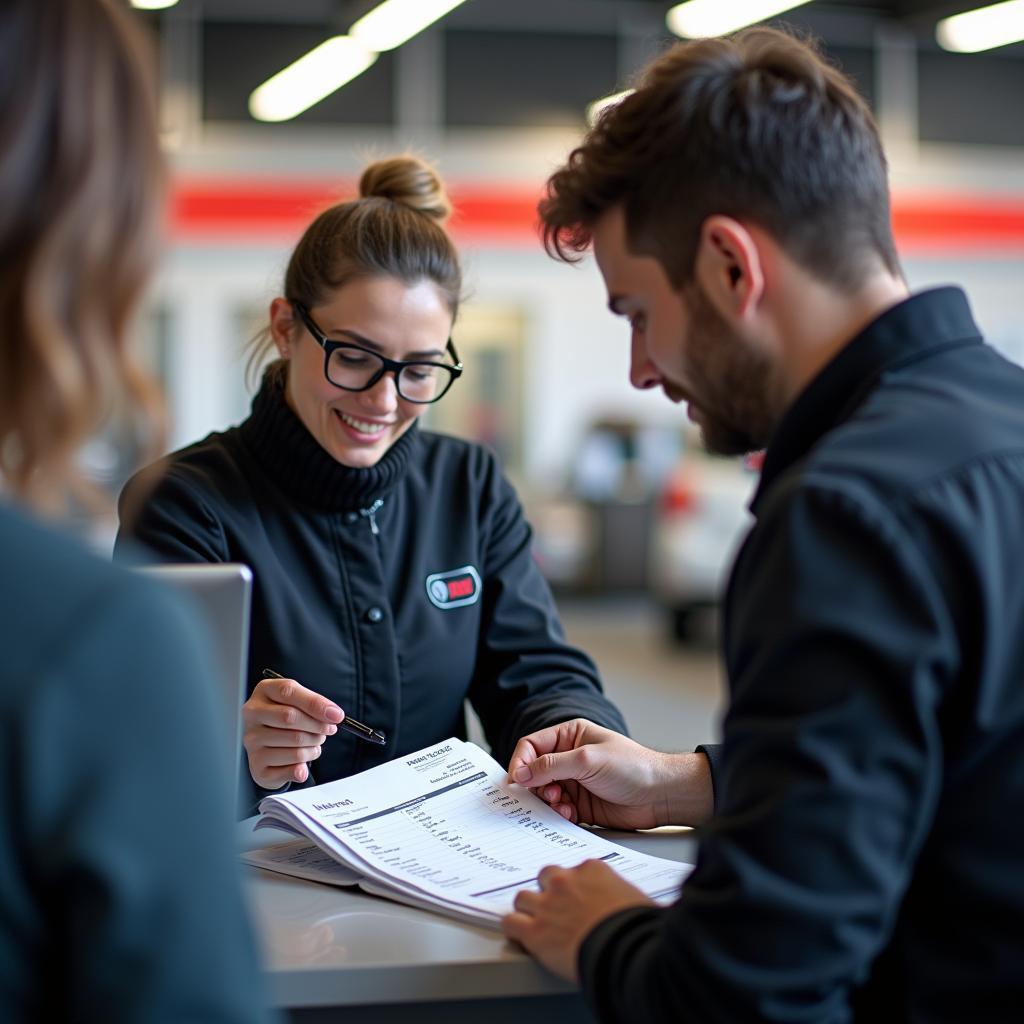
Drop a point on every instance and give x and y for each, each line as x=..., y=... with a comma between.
x=756, y=126
x=394, y=229
x=80, y=178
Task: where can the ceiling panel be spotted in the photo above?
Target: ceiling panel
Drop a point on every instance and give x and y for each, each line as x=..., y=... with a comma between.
x=538, y=62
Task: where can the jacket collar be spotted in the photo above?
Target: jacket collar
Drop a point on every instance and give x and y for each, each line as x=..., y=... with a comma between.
x=297, y=463
x=914, y=329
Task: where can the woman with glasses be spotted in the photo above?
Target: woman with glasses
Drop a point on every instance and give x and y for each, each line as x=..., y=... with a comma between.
x=392, y=565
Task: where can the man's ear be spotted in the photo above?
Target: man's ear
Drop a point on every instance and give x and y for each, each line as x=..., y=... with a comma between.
x=282, y=326
x=729, y=266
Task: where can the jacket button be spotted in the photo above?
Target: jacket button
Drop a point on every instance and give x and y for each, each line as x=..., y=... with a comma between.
x=351, y=517
x=374, y=614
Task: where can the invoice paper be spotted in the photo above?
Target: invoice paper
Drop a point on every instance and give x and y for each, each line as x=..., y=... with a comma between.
x=444, y=828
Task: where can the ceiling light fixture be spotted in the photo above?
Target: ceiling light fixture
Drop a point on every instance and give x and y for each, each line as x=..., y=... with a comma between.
x=152, y=5
x=395, y=21
x=598, y=107
x=312, y=77
x=697, y=19
x=984, y=28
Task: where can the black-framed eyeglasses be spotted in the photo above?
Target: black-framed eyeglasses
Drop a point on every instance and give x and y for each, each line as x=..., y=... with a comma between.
x=354, y=368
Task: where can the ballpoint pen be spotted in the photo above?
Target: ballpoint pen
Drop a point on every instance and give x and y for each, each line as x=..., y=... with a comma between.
x=348, y=724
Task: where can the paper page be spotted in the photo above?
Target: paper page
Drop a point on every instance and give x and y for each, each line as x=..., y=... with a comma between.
x=445, y=824
x=301, y=859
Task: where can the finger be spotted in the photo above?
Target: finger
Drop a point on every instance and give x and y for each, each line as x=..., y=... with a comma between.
x=563, y=737
x=283, y=716
x=275, y=778
x=276, y=757
x=269, y=737
x=293, y=694
x=558, y=799
x=567, y=811
x=523, y=756
x=548, y=875
x=560, y=767
x=549, y=794
x=526, y=901
x=544, y=741
x=517, y=926
x=593, y=866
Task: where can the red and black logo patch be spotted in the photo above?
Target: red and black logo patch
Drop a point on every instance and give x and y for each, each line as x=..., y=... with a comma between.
x=455, y=588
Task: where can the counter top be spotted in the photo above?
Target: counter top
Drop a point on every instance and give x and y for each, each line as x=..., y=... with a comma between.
x=329, y=946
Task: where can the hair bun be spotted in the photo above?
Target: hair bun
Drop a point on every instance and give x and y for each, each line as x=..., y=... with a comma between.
x=407, y=180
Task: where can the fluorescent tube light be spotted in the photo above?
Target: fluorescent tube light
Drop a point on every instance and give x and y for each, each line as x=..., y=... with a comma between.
x=699, y=18
x=982, y=29
x=312, y=77
x=597, y=108
x=395, y=21
x=152, y=5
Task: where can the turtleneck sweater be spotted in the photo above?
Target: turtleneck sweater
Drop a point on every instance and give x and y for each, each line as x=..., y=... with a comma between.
x=399, y=591
x=299, y=464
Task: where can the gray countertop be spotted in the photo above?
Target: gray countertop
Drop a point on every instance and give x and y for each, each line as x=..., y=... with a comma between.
x=328, y=946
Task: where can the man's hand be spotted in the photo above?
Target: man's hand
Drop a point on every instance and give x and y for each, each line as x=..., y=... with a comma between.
x=285, y=726
x=596, y=776
x=552, y=924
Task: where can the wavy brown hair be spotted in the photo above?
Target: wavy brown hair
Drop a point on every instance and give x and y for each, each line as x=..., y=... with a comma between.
x=81, y=177
x=758, y=126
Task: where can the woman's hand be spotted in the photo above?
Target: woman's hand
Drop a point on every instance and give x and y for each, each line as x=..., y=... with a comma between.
x=285, y=725
x=596, y=776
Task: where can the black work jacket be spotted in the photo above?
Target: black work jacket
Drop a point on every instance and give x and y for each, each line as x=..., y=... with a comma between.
x=866, y=857
x=398, y=591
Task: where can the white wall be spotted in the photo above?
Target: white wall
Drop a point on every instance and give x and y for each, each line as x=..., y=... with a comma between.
x=202, y=287
x=577, y=355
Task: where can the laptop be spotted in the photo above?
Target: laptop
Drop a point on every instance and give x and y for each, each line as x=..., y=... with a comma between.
x=222, y=594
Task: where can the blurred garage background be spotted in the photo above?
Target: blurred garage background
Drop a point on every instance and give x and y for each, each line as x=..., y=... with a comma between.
x=635, y=524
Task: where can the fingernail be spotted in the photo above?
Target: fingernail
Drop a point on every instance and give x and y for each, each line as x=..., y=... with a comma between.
x=332, y=713
x=331, y=730
x=523, y=774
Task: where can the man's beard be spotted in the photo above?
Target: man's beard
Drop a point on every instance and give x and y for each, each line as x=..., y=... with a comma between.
x=731, y=384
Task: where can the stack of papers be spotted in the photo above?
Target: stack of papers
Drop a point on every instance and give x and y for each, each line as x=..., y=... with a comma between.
x=441, y=829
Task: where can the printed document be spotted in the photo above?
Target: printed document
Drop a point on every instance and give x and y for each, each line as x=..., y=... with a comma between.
x=442, y=829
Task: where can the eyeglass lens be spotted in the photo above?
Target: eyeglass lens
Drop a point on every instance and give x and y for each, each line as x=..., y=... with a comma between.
x=417, y=382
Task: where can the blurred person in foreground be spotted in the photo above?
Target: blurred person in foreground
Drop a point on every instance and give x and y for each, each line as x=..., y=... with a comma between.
x=393, y=573
x=119, y=890
x=862, y=858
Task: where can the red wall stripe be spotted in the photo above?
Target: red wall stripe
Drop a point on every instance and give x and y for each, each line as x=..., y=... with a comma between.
x=276, y=210
x=954, y=222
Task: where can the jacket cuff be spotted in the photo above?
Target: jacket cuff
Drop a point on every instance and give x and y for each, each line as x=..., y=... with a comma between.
x=713, y=752
x=606, y=944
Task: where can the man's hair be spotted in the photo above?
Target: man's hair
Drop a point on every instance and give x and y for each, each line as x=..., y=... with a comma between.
x=757, y=126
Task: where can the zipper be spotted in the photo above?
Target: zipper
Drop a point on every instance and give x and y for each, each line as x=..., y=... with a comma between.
x=371, y=514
